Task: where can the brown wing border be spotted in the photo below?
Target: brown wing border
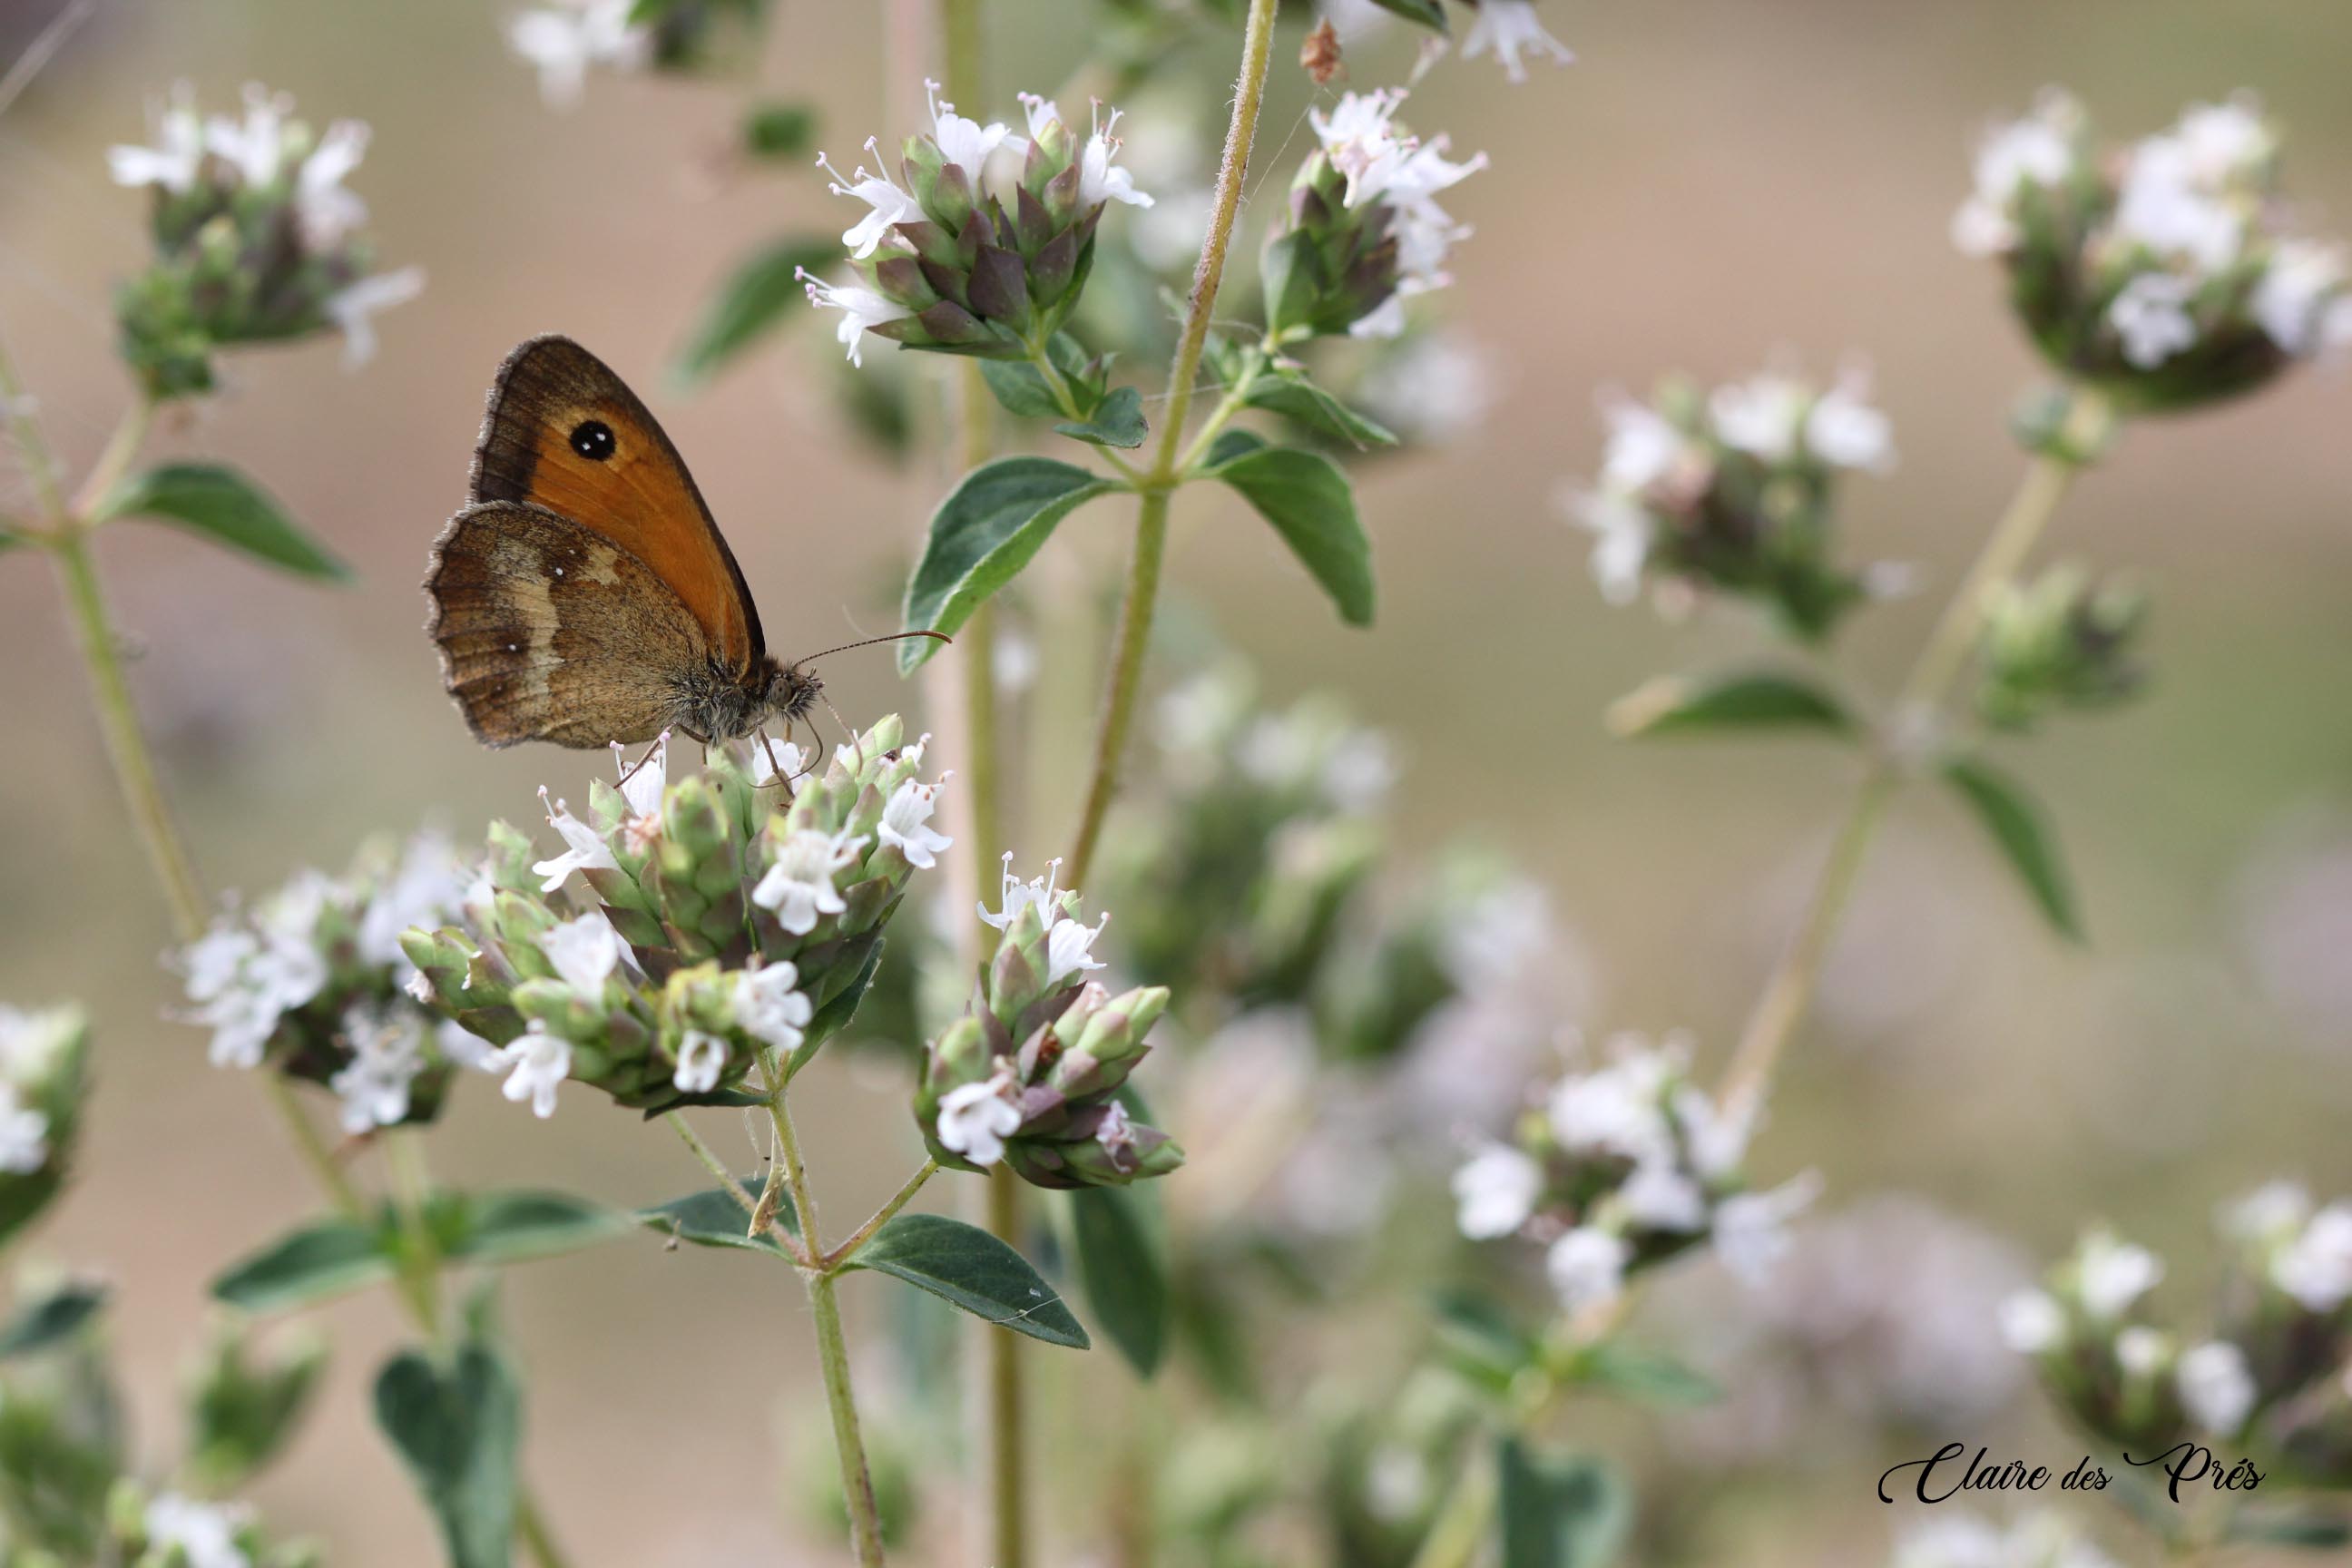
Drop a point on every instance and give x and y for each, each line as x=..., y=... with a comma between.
x=495, y=403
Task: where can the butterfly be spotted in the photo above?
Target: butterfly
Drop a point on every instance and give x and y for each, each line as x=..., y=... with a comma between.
x=586, y=595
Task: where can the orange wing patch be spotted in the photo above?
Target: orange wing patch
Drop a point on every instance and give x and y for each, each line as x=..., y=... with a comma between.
x=566, y=434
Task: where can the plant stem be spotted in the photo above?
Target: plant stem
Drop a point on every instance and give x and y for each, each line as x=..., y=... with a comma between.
x=834, y=1261
x=1007, y=1402
x=1460, y=1529
x=1789, y=992
x=421, y=1255
x=1133, y=639
x=832, y=1349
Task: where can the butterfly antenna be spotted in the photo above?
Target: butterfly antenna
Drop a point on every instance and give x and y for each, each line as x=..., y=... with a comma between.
x=856, y=745
x=869, y=642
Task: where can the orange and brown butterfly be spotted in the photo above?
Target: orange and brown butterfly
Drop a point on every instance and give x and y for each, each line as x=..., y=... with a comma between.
x=584, y=595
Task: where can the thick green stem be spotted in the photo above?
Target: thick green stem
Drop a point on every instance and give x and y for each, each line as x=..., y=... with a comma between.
x=1789, y=992
x=1133, y=639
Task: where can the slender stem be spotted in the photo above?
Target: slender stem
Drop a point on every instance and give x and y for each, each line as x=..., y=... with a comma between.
x=711, y=1161
x=1460, y=1529
x=833, y=1261
x=1789, y=992
x=130, y=435
x=316, y=1154
x=1235, y=399
x=420, y=1273
x=1008, y=1407
x=1133, y=639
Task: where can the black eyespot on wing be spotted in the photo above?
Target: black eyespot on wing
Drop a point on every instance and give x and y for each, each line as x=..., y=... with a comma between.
x=593, y=439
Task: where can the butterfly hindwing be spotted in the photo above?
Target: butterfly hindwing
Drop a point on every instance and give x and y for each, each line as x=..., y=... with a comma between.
x=566, y=434
x=550, y=632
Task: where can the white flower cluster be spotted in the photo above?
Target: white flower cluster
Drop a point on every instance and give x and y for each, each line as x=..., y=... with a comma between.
x=564, y=40
x=182, y=1530
x=1665, y=1158
x=1971, y=1541
x=317, y=937
x=1405, y=174
x=2306, y=1255
x=1775, y=418
x=2186, y=221
x=1511, y=28
x=2098, y=1289
x=32, y=1045
x=256, y=153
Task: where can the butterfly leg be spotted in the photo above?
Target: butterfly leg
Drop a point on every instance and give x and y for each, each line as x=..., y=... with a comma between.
x=632, y=770
x=774, y=767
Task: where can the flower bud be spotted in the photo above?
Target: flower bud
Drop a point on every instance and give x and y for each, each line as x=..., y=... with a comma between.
x=2062, y=641
x=42, y=1061
x=240, y=1415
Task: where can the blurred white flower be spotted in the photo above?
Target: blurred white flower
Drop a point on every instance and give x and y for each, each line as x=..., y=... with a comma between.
x=562, y=41
x=2112, y=1274
x=2142, y=1352
x=769, y=1007
x=199, y=1534
x=2316, y=1267
x=1841, y=428
x=2151, y=315
x=1621, y=546
x=1617, y=1109
x=424, y=890
x=2168, y=203
x=906, y=821
x=2272, y=1211
x=387, y=1053
x=353, y=310
x=255, y=146
x=1774, y=417
x=178, y=152
x=23, y=1134
x=1658, y=1196
x=799, y=885
x=2033, y=1322
x=1495, y=1191
x=536, y=1063
x=1587, y=1268
x=976, y=1118
x=2217, y=1388
x=1511, y=28
x=1751, y=1229
x=702, y=1056
x=2300, y=299
x=1438, y=387
x=2037, y=151
x=861, y=309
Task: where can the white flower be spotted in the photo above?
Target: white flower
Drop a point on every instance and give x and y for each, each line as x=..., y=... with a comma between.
x=1643, y=444
x=536, y=1063
x=890, y=206
x=2168, y=202
x=799, y=885
x=2272, y=1211
x=2141, y=1351
x=563, y=43
x=702, y=1056
x=2225, y=141
x=1587, y=1268
x=387, y=1053
x=861, y=308
x=2152, y=318
x=463, y=1047
x=1762, y=415
x=1841, y=428
x=2301, y=300
x=204, y=1534
x=2111, y=1274
x=966, y=143
x=1069, y=949
x=587, y=851
x=1496, y=935
x=1714, y=1140
x=2037, y=152
x=585, y=951
x=1658, y=1196
x=352, y=309
x=787, y=757
x=1621, y=543
x=423, y=889
x=1510, y=28
x=2217, y=1388
x=906, y=822
x=325, y=211
x=1098, y=180
x=769, y=1008
x=23, y=1134
x=1438, y=387
x=2317, y=1269
x=30, y=1043
x=641, y=786
x=255, y=147
x=1360, y=138
x=1618, y=1110
x=975, y=1118
x=2033, y=1322
x=1018, y=895
x=1495, y=1191
x=178, y=152
x=1750, y=1230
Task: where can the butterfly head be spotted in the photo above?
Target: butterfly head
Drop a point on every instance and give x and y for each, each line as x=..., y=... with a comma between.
x=792, y=691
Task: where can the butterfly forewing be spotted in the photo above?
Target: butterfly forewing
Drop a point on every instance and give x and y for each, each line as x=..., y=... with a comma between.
x=550, y=632
x=565, y=433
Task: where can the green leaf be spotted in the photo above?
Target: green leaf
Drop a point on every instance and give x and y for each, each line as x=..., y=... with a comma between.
x=965, y=1267
x=224, y=505
x=55, y=1318
x=1021, y=388
x=1307, y=498
x=1675, y=705
x=509, y=1226
x=1558, y=1510
x=1230, y=445
x=714, y=1218
x=1118, y=423
x=321, y=1260
x=1648, y=1376
x=458, y=1427
x=834, y=1016
x=981, y=536
x=1122, y=1251
x=780, y=130
x=1428, y=12
x=755, y=300
x=1480, y=1340
x=1293, y=397
x=2021, y=834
